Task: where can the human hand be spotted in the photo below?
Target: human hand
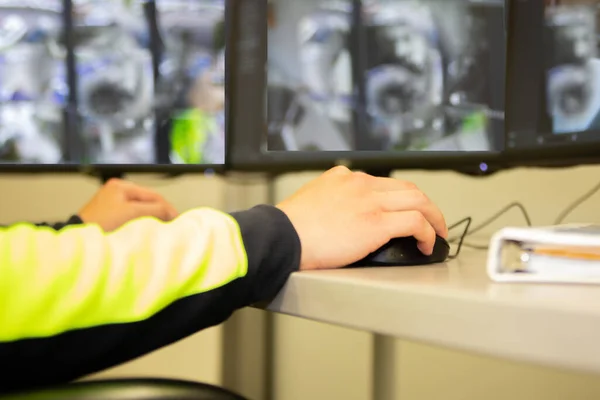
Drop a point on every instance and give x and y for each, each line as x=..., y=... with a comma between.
x=342, y=216
x=118, y=202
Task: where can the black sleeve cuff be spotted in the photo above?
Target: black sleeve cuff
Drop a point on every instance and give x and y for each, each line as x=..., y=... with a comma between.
x=273, y=250
x=74, y=220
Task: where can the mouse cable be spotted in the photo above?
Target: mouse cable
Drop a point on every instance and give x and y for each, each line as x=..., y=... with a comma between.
x=573, y=206
x=486, y=223
x=493, y=218
x=476, y=246
x=466, y=221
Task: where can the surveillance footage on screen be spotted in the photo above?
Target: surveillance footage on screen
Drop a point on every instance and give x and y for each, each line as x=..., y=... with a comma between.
x=119, y=97
x=31, y=89
x=425, y=78
x=118, y=94
x=571, y=50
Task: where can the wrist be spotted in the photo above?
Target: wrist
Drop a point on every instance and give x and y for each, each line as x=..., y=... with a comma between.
x=304, y=263
x=272, y=247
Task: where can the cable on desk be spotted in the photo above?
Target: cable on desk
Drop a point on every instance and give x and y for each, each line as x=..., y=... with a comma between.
x=495, y=217
x=476, y=246
x=573, y=206
x=466, y=221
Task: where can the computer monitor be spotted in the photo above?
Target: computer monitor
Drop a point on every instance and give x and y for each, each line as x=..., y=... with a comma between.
x=553, y=91
x=31, y=59
x=373, y=83
x=126, y=84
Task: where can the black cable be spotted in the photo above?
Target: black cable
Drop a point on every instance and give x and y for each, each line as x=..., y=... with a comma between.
x=476, y=246
x=573, y=206
x=461, y=240
x=493, y=218
x=561, y=217
x=501, y=213
x=466, y=221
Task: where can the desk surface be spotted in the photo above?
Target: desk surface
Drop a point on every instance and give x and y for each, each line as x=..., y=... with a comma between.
x=455, y=305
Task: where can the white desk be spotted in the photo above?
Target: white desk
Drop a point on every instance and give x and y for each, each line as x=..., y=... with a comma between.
x=456, y=306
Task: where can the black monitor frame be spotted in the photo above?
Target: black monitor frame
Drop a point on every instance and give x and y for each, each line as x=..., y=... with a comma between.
x=249, y=56
x=72, y=120
x=526, y=119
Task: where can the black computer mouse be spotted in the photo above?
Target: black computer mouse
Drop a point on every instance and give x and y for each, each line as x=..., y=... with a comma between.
x=404, y=252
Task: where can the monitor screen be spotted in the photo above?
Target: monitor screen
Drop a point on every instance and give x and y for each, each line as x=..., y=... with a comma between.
x=32, y=81
x=143, y=82
x=401, y=82
x=553, y=97
x=310, y=83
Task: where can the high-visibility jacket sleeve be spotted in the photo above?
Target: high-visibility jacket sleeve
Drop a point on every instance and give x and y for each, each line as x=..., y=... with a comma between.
x=79, y=300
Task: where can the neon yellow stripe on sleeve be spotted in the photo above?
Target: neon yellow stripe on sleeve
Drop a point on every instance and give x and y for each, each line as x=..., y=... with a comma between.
x=80, y=277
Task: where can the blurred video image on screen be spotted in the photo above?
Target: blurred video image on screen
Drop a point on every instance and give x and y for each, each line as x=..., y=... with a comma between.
x=310, y=89
x=426, y=78
x=428, y=83
x=119, y=96
x=571, y=48
x=192, y=78
x=32, y=85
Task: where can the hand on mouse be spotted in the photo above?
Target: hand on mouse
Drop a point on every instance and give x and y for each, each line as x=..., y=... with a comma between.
x=343, y=216
x=119, y=202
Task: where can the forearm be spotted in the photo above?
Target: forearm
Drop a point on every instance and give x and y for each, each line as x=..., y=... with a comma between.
x=79, y=300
